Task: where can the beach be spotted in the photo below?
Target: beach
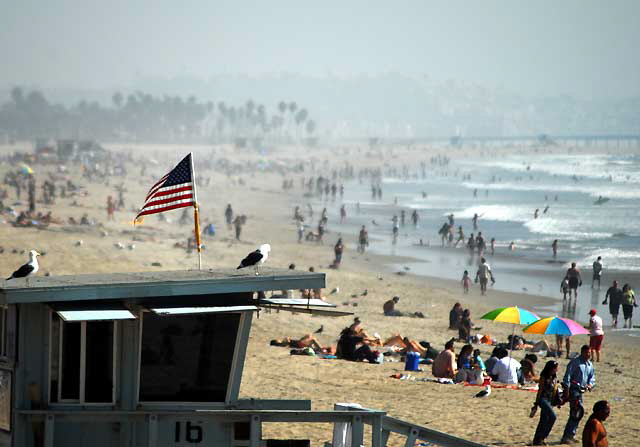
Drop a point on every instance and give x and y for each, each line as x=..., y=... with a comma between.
x=253, y=188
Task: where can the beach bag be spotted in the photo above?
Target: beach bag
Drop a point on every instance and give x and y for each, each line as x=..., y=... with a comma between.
x=557, y=397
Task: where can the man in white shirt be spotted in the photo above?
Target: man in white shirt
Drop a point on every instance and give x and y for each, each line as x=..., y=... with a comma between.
x=596, y=335
x=506, y=368
x=484, y=274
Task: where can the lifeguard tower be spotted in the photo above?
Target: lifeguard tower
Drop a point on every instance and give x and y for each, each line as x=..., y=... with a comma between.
x=154, y=359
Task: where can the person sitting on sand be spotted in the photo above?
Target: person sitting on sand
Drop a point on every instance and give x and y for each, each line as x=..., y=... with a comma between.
x=466, y=370
x=353, y=346
x=455, y=316
x=389, y=309
x=527, y=372
x=506, y=368
x=306, y=341
x=477, y=361
x=358, y=329
x=444, y=365
x=491, y=362
x=464, y=328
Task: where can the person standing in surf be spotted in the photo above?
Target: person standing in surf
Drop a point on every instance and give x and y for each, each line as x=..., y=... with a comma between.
x=597, y=271
x=575, y=280
x=614, y=295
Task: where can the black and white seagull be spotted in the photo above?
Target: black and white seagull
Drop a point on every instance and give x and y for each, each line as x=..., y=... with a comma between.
x=28, y=269
x=484, y=393
x=256, y=258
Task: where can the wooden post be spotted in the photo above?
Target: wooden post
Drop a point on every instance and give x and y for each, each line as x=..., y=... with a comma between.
x=196, y=214
x=256, y=431
x=357, y=431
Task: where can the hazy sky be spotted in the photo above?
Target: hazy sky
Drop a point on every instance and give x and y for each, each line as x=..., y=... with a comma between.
x=586, y=48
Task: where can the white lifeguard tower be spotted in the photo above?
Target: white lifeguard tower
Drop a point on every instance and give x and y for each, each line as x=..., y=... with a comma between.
x=154, y=359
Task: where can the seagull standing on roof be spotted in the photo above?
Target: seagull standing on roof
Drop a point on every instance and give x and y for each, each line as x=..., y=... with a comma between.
x=256, y=258
x=28, y=269
x=484, y=393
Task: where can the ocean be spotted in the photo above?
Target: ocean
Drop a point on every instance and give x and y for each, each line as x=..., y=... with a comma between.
x=592, y=208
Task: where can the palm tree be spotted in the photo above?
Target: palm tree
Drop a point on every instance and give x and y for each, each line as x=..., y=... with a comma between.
x=300, y=118
x=292, y=110
x=117, y=99
x=311, y=127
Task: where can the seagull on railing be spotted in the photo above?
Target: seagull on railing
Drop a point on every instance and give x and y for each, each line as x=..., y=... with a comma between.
x=28, y=269
x=256, y=258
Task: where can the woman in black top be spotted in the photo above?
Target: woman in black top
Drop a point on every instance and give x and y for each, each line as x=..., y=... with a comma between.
x=546, y=398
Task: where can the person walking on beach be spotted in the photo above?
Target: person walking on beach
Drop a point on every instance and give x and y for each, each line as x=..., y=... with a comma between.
x=597, y=271
x=596, y=334
x=238, y=222
x=546, y=399
x=338, y=249
x=483, y=274
x=579, y=377
x=480, y=244
x=111, y=208
x=395, y=230
x=594, y=433
x=343, y=214
x=628, y=303
x=575, y=280
x=471, y=245
x=614, y=295
x=460, y=237
x=554, y=247
x=475, y=221
x=493, y=246
x=228, y=215
x=466, y=282
x=414, y=218
x=363, y=239
x=564, y=288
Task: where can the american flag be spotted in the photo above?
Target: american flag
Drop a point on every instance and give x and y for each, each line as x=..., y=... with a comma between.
x=174, y=190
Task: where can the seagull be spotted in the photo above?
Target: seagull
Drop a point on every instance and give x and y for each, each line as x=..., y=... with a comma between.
x=334, y=291
x=256, y=258
x=484, y=393
x=365, y=293
x=320, y=329
x=28, y=269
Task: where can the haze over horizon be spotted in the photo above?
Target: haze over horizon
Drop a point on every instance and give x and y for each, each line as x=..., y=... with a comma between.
x=579, y=48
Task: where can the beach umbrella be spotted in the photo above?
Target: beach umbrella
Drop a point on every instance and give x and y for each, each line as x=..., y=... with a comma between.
x=25, y=169
x=513, y=315
x=555, y=326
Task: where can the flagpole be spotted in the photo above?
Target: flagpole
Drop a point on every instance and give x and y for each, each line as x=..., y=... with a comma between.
x=196, y=214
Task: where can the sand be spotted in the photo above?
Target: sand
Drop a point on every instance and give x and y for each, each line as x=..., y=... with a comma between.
x=271, y=372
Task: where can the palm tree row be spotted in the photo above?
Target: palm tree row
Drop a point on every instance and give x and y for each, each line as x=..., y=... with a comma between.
x=143, y=117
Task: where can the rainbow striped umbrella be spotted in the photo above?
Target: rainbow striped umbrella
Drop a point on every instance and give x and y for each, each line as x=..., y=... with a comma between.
x=513, y=315
x=555, y=326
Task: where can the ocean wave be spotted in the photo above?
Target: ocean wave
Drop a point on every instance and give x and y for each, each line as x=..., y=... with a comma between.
x=626, y=193
x=562, y=229
x=502, y=213
x=615, y=259
x=584, y=166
